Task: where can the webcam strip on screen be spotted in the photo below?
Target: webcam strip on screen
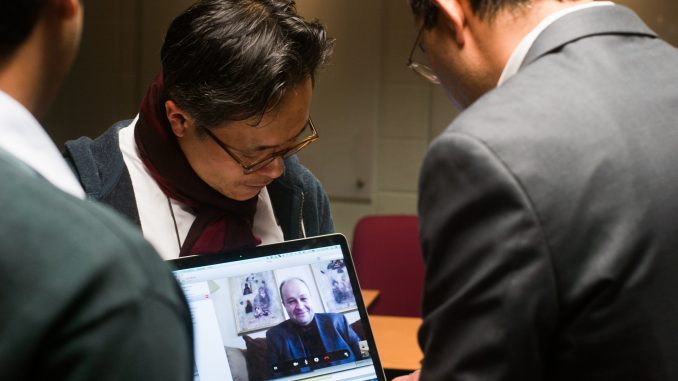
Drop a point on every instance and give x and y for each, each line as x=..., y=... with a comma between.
x=271, y=262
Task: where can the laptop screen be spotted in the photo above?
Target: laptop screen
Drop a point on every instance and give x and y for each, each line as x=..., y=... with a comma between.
x=286, y=311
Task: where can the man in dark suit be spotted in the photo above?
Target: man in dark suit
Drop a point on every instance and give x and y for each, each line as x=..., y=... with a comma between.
x=548, y=208
x=83, y=296
x=311, y=340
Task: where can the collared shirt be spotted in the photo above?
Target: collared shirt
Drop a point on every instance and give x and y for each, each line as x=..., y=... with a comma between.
x=158, y=213
x=24, y=137
x=525, y=44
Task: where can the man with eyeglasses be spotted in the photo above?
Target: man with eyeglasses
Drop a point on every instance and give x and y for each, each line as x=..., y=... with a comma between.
x=208, y=165
x=548, y=207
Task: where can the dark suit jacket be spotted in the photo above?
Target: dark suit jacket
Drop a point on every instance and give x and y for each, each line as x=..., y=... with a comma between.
x=283, y=341
x=83, y=296
x=549, y=214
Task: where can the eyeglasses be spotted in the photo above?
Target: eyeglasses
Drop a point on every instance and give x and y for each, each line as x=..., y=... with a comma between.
x=261, y=163
x=423, y=70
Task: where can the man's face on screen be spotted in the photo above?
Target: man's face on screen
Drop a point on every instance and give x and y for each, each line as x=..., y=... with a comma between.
x=297, y=300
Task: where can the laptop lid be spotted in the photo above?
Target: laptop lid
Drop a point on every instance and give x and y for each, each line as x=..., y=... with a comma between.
x=288, y=311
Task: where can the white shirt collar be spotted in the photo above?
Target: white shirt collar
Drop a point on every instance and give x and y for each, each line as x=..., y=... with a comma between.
x=24, y=137
x=525, y=44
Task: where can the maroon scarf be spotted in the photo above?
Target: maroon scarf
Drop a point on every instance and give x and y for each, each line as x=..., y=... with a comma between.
x=221, y=223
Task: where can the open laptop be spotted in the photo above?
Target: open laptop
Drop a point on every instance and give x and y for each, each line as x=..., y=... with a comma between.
x=235, y=300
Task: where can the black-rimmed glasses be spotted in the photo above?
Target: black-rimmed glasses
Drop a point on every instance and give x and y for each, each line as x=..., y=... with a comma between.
x=261, y=163
x=423, y=70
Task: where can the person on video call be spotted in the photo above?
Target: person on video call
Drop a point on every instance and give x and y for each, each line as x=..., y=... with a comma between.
x=208, y=164
x=548, y=207
x=307, y=335
x=84, y=296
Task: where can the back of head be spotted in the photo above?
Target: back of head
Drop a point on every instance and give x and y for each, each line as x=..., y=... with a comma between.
x=226, y=60
x=17, y=19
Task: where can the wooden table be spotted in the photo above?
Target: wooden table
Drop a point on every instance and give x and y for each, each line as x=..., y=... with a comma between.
x=396, y=339
x=369, y=296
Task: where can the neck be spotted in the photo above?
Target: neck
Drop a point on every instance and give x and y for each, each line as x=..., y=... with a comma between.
x=498, y=37
x=17, y=78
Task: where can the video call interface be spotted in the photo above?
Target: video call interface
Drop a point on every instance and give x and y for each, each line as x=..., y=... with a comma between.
x=248, y=327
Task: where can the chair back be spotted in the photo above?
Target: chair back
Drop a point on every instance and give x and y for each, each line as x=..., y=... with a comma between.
x=387, y=257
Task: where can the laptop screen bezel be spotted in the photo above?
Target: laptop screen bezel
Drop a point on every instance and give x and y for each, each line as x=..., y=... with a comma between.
x=335, y=239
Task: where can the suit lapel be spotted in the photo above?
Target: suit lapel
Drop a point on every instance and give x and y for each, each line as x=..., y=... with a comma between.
x=588, y=22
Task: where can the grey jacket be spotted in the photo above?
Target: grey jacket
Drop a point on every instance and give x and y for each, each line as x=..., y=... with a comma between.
x=296, y=196
x=548, y=214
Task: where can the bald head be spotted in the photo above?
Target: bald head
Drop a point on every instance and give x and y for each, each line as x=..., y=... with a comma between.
x=296, y=298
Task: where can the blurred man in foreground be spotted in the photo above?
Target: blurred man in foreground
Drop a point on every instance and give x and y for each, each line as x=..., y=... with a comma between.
x=83, y=296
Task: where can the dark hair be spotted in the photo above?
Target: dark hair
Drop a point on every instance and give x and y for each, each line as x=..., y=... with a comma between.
x=235, y=59
x=426, y=10
x=485, y=9
x=17, y=19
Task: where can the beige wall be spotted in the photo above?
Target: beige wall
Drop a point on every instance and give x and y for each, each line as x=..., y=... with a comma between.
x=375, y=117
x=411, y=113
x=345, y=104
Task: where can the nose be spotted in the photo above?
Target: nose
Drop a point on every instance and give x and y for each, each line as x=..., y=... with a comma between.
x=274, y=169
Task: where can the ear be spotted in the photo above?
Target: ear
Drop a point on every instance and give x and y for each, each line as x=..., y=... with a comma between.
x=453, y=13
x=71, y=7
x=178, y=119
x=66, y=9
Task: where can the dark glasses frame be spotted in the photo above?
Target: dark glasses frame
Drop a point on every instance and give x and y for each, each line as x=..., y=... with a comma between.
x=261, y=163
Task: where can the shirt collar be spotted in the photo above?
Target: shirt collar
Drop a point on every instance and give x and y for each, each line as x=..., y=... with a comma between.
x=525, y=44
x=24, y=137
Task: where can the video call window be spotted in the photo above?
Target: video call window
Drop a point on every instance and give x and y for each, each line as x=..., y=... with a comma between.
x=284, y=322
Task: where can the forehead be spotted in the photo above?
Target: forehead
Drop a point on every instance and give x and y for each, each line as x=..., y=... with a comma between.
x=294, y=287
x=276, y=126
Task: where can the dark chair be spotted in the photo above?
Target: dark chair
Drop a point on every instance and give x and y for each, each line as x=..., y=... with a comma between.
x=387, y=257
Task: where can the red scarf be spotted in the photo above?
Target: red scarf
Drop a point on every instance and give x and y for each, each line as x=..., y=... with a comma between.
x=221, y=223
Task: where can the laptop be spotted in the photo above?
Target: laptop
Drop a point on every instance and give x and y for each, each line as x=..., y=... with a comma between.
x=244, y=330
